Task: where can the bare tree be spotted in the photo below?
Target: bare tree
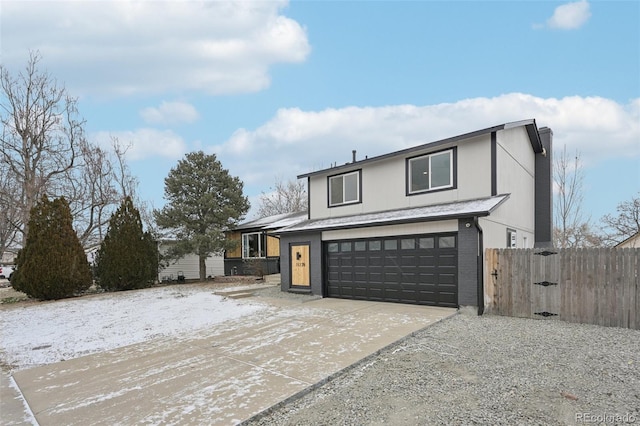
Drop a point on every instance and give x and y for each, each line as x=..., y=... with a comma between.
x=91, y=193
x=44, y=152
x=625, y=224
x=41, y=133
x=572, y=228
x=286, y=197
x=10, y=219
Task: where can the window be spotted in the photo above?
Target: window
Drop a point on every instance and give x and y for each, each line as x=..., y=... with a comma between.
x=426, y=243
x=375, y=245
x=408, y=243
x=447, y=242
x=344, y=189
x=253, y=245
x=431, y=172
x=360, y=245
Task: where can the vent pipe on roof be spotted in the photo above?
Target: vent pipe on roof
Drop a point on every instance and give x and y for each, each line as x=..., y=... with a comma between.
x=354, y=155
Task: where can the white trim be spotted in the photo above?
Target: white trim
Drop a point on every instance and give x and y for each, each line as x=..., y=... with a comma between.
x=430, y=174
x=344, y=189
x=261, y=250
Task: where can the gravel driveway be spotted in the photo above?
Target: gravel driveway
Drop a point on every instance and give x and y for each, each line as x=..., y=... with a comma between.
x=484, y=370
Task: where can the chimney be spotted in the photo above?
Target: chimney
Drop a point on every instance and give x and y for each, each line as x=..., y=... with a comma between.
x=544, y=191
x=354, y=155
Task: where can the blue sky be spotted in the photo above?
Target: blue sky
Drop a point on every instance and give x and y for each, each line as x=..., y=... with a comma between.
x=277, y=89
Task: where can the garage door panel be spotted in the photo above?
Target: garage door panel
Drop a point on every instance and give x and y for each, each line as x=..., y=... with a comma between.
x=360, y=276
x=346, y=261
x=333, y=261
x=375, y=260
x=408, y=269
x=391, y=261
x=375, y=277
x=427, y=260
x=391, y=277
x=409, y=260
x=444, y=279
x=361, y=261
x=409, y=278
x=447, y=260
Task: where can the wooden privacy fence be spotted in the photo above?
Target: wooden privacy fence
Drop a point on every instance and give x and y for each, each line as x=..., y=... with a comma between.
x=594, y=286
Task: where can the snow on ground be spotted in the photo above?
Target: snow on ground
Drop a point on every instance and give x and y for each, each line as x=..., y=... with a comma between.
x=44, y=333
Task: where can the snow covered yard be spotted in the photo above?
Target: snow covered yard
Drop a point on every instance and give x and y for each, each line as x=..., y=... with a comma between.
x=47, y=332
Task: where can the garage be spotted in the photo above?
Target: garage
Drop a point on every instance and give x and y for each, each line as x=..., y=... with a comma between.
x=417, y=269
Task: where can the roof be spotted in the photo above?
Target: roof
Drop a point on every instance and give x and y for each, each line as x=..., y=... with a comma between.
x=630, y=242
x=273, y=222
x=455, y=210
x=530, y=125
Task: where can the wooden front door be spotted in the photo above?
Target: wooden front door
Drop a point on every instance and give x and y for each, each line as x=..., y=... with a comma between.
x=300, y=276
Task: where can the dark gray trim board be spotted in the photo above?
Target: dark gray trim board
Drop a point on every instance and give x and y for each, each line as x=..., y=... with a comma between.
x=314, y=240
x=494, y=164
x=467, y=263
x=544, y=191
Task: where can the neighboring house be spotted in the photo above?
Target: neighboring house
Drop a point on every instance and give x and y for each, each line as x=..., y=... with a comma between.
x=411, y=226
x=631, y=242
x=257, y=246
x=188, y=267
x=9, y=257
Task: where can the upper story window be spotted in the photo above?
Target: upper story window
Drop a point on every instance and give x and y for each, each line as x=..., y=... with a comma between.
x=253, y=245
x=344, y=189
x=431, y=172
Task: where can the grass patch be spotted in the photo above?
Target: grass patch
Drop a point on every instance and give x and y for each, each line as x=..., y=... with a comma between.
x=13, y=299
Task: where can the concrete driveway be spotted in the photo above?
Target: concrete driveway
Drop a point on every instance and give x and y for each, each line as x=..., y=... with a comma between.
x=225, y=375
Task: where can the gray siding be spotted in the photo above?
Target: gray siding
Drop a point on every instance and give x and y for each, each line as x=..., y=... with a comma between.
x=544, y=192
x=467, y=263
x=315, y=260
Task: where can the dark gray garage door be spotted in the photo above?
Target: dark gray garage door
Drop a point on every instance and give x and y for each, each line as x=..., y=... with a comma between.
x=418, y=269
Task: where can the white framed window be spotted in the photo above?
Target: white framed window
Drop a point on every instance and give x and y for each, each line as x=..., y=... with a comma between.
x=344, y=189
x=253, y=245
x=431, y=172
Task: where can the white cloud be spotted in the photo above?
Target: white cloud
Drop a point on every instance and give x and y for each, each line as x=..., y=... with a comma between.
x=145, y=143
x=296, y=141
x=125, y=47
x=170, y=113
x=570, y=16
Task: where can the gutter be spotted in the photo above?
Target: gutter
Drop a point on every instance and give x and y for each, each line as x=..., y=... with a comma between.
x=480, y=266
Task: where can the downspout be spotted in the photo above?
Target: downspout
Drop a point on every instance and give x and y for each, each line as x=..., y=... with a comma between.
x=480, y=266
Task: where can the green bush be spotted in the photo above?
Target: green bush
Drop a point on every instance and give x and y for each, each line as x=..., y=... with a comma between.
x=128, y=257
x=52, y=264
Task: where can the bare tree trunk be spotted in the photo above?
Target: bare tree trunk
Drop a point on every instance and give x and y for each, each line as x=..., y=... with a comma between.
x=202, y=260
x=572, y=229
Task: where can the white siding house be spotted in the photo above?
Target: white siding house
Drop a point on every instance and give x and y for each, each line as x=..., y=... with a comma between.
x=188, y=266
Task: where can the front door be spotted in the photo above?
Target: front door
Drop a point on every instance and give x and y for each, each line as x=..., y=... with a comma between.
x=300, y=276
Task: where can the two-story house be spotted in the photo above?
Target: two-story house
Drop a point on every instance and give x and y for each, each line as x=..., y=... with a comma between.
x=411, y=226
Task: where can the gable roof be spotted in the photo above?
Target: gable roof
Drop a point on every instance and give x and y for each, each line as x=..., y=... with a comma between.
x=530, y=126
x=273, y=222
x=632, y=242
x=454, y=210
